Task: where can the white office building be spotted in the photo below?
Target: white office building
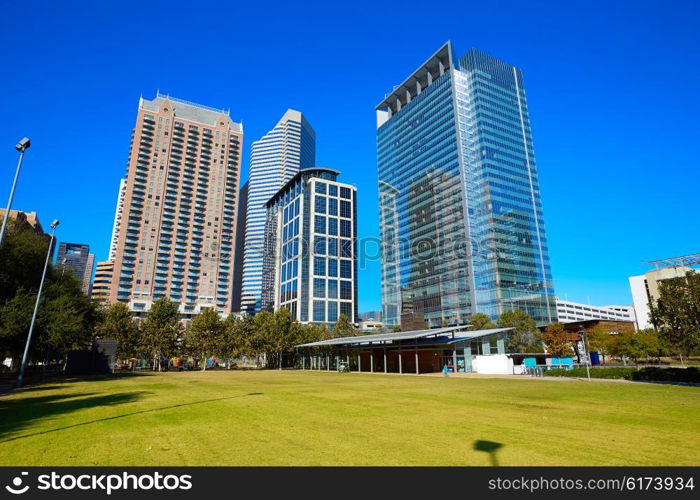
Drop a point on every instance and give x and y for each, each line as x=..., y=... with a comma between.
x=275, y=159
x=568, y=312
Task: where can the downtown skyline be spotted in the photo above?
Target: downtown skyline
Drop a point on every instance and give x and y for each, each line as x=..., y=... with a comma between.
x=594, y=178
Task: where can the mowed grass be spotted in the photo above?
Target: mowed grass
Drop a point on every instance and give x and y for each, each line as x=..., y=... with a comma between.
x=318, y=418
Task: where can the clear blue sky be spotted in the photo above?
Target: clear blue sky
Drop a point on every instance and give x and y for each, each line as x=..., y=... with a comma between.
x=612, y=88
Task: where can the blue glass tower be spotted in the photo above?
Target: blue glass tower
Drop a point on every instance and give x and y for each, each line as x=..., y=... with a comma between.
x=460, y=213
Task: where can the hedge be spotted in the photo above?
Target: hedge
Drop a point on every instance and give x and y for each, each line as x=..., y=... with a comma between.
x=649, y=374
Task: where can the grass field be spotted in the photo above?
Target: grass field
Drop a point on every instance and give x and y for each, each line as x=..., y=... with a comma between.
x=317, y=418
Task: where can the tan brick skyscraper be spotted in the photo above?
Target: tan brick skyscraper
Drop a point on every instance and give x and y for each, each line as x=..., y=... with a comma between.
x=176, y=237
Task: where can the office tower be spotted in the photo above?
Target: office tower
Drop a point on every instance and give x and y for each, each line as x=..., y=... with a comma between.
x=178, y=217
x=310, y=258
x=117, y=219
x=274, y=159
x=102, y=282
x=239, y=250
x=77, y=259
x=460, y=213
x=30, y=221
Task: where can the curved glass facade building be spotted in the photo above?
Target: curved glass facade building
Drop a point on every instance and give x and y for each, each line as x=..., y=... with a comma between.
x=461, y=219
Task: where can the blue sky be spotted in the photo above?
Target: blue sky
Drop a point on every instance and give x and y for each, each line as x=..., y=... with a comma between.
x=612, y=90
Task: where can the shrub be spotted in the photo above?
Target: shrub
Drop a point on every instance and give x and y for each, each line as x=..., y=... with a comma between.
x=614, y=373
x=649, y=374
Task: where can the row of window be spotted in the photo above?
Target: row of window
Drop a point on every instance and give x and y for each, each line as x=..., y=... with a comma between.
x=329, y=246
x=332, y=315
x=329, y=225
x=332, y=190
x=329, y=267
x=331, y=207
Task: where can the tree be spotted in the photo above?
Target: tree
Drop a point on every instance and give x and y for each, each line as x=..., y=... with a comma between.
x=600, y=340
x=557, y=340
x=525, y=337
x=282, y=334
x=343, y=327
x=677, y=313
x=636, y=345
x=236, y=333
x=396, y=328
x=205, y=335
x=162, y=330
x=118, y=324
x=481, y=321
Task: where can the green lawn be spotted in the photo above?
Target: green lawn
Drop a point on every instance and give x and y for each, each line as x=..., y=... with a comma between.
x=318, y=418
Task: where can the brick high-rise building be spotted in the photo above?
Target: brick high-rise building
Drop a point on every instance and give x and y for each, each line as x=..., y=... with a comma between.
x=176, y=234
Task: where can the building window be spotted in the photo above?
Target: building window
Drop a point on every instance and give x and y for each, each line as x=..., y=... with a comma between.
x=320, y=204
x=320, y=224
x=319, y=288
x=321, y=187
x=332, y=226
x=332, y=312
x=319, y=266
x=319, y=310
x=345, y=209
x=320, y=245
x=333, y=206
x=333, y=246
x=346, y=269
x=346, y=248
x=332, y=190
x=345, y=193
x=345, y=228
x=346, y=290
x=346, y=309
x=332, y=289
x=333, y=267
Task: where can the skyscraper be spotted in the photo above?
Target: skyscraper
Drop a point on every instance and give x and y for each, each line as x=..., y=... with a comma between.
x=274, y=159
x=310, y=258
x=176, y=235
x=461, y=219
x=77, y=258
x=117, y=219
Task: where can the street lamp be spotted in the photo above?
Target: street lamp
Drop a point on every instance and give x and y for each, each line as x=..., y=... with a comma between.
x=21, y=146
x=582, y=332
x=25, y=357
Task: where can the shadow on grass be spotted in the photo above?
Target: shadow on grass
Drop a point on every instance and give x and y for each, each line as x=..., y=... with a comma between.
x=114, y=400
x=489, y=447
x=18, y=413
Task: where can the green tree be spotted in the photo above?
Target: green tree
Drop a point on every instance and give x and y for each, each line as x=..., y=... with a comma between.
x=677, y=314
x=600, y=340
x=162, y=330
x=557, y=340
x=236, y=334
x=525, y=337
x=118, y=324
x=481, y=321
x=396, y=328
x=636, y=345
x=343, y=327
x=205, y=335
x=282, y=334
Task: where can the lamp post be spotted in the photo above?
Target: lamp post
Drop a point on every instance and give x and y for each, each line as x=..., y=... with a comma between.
x=25, y=357
x=582, y=331
x=21, y=146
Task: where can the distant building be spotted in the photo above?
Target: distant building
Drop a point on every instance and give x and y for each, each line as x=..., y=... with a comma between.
x=645, y=287
x=239, y=251
x=274, y=159
x=568, y=311
x=30, y=220
x=310, y=258
x=77, y=258
x=370, y=325
x=373, y=315
x=117, y=219
x=101, y=284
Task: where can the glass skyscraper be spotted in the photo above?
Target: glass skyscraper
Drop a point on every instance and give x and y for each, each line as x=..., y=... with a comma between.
x=275, y=158
x=461, y=219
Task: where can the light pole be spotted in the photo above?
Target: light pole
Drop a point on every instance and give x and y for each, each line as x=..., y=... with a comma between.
x=582, y=331
x=21, y=146
x=25, y=357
